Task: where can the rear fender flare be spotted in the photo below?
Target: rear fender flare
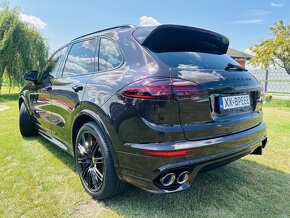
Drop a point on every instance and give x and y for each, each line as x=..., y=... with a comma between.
x=101, y=124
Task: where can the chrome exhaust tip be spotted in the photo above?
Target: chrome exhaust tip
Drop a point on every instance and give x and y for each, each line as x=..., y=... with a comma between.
x=168, y=179
x=183, y=177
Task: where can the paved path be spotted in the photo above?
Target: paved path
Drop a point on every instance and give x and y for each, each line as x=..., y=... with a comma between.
x=3, y=107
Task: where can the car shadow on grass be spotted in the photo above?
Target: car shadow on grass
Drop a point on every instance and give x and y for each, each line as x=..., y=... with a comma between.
x=243, y=188
x=60, y=154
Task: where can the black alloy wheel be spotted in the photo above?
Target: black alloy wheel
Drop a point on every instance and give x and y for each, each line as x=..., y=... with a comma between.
x=90, y=161
x=95, y=163
x=26, y=126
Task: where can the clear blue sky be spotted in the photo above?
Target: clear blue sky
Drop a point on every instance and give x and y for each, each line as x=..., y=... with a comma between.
x=244, y=22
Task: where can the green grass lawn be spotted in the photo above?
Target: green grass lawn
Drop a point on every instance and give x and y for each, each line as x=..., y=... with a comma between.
x=38, y=179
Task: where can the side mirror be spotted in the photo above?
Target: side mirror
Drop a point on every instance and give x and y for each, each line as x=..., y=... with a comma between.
x=31, y=75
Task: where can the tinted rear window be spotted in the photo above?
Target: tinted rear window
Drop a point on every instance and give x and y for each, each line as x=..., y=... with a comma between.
x=196, y=60
x=109, y=55
x=81, y=58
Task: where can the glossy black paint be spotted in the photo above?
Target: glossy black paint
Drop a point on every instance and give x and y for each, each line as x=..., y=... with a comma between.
x=168, y=38
x=31, y=75
x=132, y=126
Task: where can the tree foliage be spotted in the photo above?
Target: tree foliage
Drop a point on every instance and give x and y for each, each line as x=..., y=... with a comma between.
x=22, y=47
x=274, y=51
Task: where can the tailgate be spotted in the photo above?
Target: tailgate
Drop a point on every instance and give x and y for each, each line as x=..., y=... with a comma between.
x=230, y=103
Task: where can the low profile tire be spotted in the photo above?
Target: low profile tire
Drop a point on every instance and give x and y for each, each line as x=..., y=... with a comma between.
x=26, y=126
x=95, y=164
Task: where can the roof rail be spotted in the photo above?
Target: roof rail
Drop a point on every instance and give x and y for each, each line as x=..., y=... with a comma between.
x=111, y=28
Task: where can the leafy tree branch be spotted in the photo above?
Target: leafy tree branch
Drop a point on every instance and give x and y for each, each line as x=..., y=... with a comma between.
x=274, y=51
x=22, y=47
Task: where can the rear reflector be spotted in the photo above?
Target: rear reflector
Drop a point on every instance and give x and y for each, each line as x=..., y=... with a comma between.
x=161, y=89
x=168, y=153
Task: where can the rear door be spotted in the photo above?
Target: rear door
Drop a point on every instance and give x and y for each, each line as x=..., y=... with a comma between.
x=67, y=90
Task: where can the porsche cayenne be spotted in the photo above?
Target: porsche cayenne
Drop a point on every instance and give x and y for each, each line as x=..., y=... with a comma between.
x=148, y=106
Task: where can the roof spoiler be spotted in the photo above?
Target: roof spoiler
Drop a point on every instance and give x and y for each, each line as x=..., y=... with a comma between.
x=176, y=38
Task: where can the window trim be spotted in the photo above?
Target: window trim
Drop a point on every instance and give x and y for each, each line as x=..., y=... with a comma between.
x=69, y=49
x=63, y=61
x=119, y=50
x=60, y=65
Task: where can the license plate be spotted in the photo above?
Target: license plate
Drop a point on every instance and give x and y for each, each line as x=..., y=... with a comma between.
x=231, y=102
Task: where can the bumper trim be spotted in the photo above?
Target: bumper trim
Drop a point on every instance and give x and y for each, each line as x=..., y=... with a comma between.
x=142, y=171
x=199, y=167
x=247, y=147
x=185, y=144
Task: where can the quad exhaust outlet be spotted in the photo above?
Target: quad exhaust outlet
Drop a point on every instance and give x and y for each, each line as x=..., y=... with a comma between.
x=168, y=179
x=183, y=177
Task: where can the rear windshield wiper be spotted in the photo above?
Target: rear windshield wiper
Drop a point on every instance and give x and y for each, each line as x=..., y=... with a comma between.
x=234, y=67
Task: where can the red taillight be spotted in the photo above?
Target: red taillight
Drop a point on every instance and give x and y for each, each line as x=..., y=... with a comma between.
x=160, y=88
x=183, y=88
x=168, y=153
x=148, y=89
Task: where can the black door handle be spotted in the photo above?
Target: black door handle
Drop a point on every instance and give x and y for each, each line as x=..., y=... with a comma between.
x=77, y=88
x=48, y=88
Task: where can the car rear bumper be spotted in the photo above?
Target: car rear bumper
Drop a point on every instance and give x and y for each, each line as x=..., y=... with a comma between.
x=145, y=171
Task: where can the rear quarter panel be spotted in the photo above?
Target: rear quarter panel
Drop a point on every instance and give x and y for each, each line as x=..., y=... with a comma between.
x=101, y=96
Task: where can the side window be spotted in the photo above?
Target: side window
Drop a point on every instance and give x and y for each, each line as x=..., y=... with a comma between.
x=51, y=69
x=109, y=55
x=81, y=58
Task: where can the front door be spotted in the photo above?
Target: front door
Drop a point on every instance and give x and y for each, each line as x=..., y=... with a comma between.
x=41, y=93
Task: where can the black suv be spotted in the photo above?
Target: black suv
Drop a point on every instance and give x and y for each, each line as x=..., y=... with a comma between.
x=149, y=106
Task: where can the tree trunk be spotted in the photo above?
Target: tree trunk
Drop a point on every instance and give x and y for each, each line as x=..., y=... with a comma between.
x=1, y=76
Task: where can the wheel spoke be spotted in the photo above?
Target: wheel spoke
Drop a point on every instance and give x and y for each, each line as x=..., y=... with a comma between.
x=82, y=150
x=83, y=160
x=85, y=171
x=90, y=177
x=83, y=139
x=99, y=174
x=95, y=178
x=98, y=160
x=94, y=146
x=89, y=141
x=84, y=142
